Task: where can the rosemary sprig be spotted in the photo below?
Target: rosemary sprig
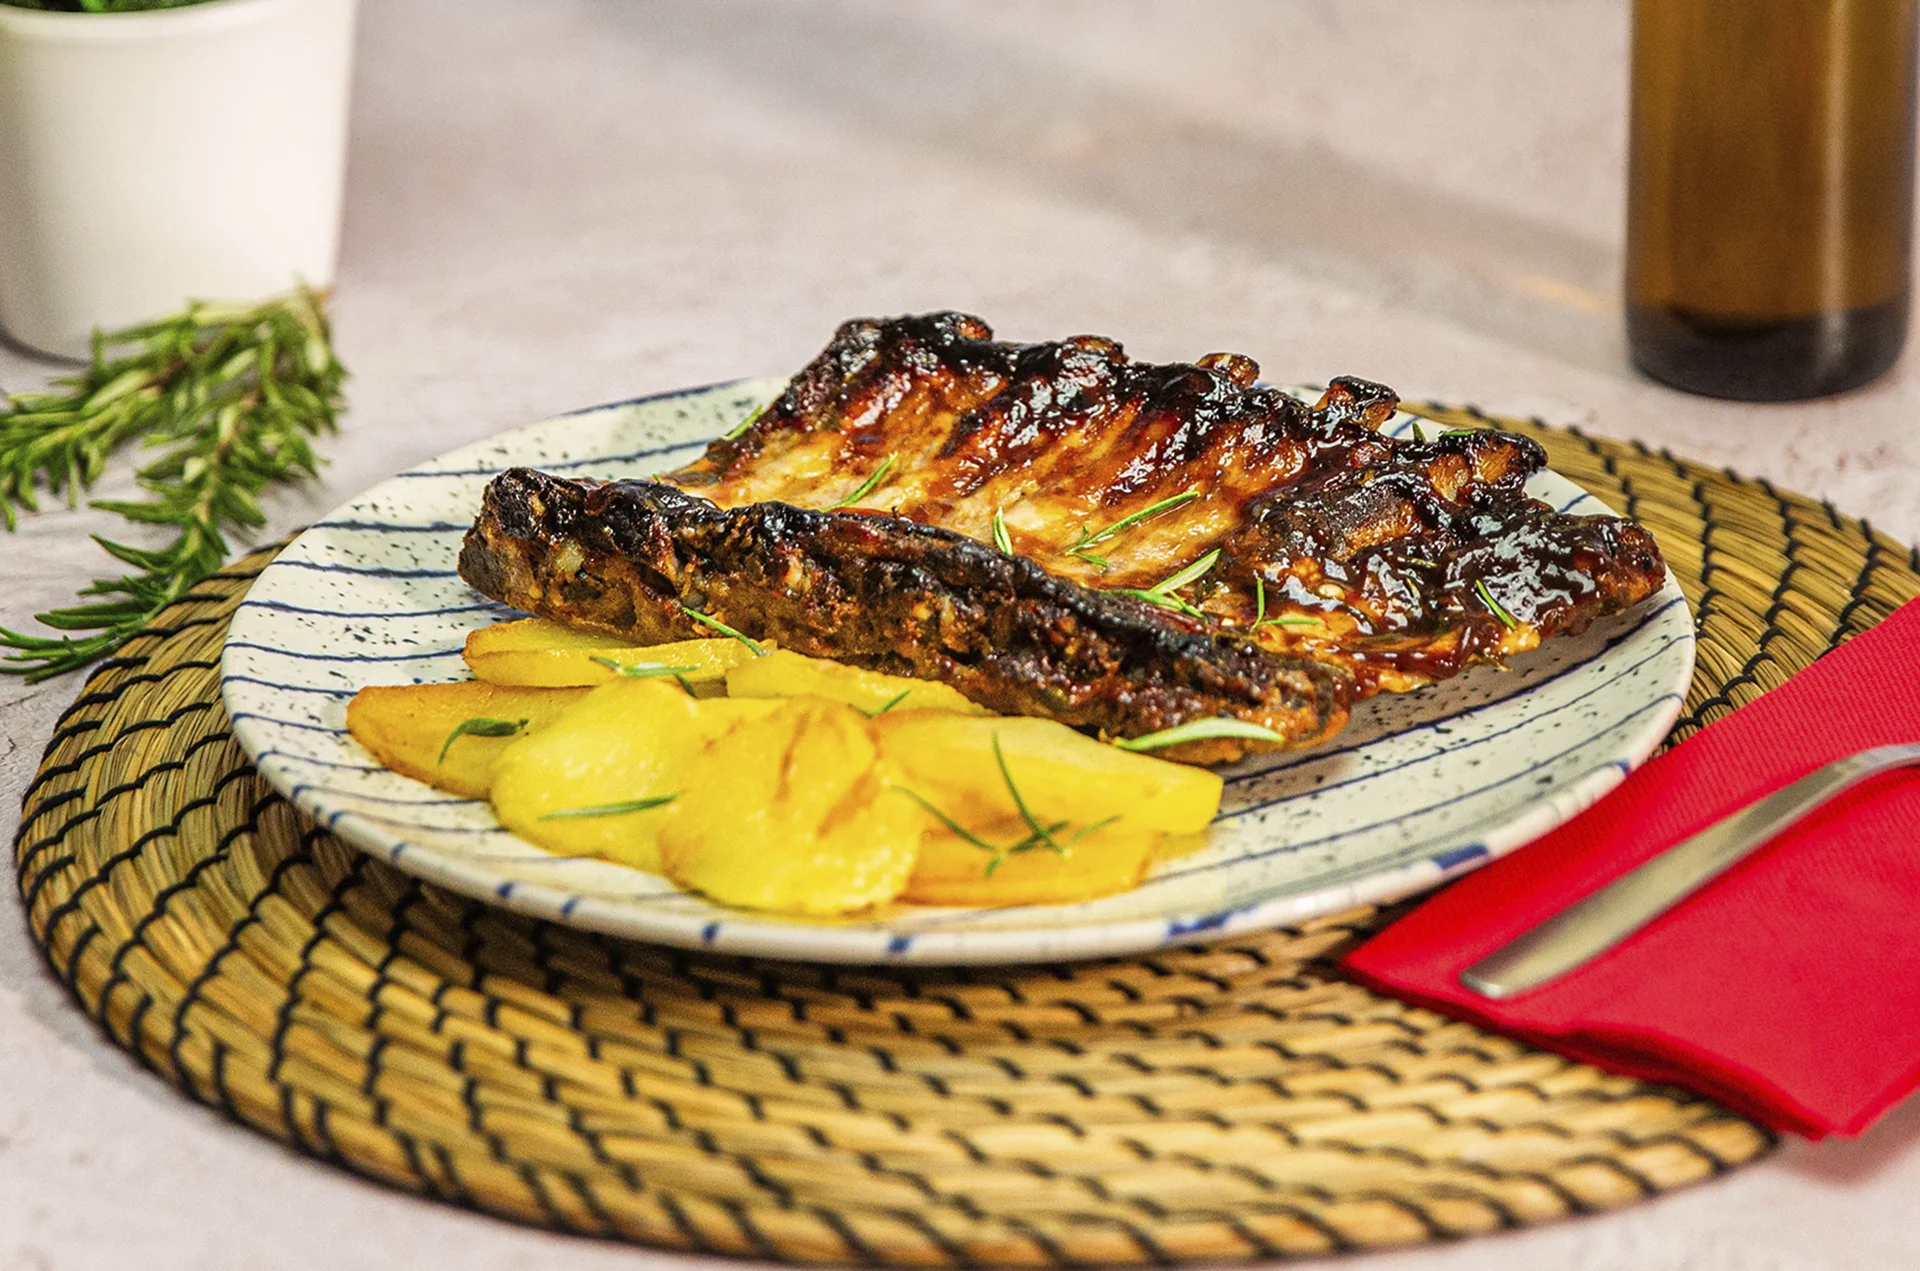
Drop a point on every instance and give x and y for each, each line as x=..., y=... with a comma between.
x=1026, y=813
x=724, y=629
x=229, y=396
x=866, y=487
x=647, y=671
x=1459, y=432
x=739, y=430
x=892, y=702
x=611, y=809
x=1498, y=610
x=1089, y=538
x=1165, y=592
x=1198, y=730
x=1260, y=618
x=1038, y=835
x=1000, y=539
x=479, y=726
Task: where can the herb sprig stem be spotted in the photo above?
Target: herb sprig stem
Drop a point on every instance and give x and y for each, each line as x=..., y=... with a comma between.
x=1089, y=538
x=230, y=397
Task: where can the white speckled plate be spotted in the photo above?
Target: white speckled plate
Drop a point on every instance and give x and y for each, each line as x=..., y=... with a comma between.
x=1420, y=787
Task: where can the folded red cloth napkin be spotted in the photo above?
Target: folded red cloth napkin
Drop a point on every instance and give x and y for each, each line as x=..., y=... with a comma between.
x=1787, y=989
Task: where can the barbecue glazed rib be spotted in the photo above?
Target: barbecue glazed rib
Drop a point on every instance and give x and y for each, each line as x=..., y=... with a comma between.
x=1184, y=543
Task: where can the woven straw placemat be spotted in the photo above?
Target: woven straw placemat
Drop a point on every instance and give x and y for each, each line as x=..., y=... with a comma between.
x=1231, y=1101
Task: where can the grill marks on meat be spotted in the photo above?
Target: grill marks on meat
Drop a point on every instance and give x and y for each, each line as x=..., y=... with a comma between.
x=1347, y=562
x=1375, y=554
x=884, y=593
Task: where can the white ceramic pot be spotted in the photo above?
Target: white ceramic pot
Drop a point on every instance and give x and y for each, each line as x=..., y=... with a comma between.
x=151, y=158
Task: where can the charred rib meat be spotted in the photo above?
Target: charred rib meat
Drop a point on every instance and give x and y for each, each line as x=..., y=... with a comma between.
x=1059, y=530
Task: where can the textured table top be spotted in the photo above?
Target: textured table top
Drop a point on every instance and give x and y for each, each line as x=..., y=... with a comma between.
x=560, y=204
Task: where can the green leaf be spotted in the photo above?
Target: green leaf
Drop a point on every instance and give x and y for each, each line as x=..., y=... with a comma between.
x=1498, y=610
x=479, y=726
x=612, y=809
x=723, y=629
x=866, y=487
x=1126, y=523
x=1000, y=539
x=1199, y=730
x=222, y=411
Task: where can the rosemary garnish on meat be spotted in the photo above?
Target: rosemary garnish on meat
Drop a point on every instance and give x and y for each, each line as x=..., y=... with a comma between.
x=611, y=809
x=647, y=671
x=739, y=430
x=479, y=726
x=1164, y=593
x=866, y=487
x=1000, y=539
x=724, y=629
x=1199, y=730
x=1089, y=537
x=1499, y=610
x=1260, y=618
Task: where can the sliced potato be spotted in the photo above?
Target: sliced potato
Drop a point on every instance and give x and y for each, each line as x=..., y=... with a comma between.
x=1063, y=776
x=791, y=812
x=578, y=786
x=537, y=652
x=952, y=870
x=413, y=728
x=783, y=673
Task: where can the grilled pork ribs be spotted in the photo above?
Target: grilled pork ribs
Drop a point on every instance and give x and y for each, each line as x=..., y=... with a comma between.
x=1058, y=530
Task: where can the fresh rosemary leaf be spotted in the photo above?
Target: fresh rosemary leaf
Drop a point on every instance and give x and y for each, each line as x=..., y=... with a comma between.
x=892, y=702
x=479, y=726
x=934, y=811
x=1000, y=539
x=1163, y=599
x=739, y=430
x=229, y=397
x=1125, y=523
x=1190, y=574
x=723, y=629
x=1459, y=432
x=1419, y=433
x=647, y=671
x=612, y=809
x=1498, y=610
x=866, y=487
x=642, y=670
x=1026, y=814
x=1198, y=730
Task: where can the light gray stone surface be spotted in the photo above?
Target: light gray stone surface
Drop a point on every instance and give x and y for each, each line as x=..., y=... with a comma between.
x=558, y=204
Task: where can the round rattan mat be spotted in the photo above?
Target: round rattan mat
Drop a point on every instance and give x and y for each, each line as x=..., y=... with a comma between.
x=1231, y=1101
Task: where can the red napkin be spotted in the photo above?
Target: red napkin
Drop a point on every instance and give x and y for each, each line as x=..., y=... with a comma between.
x=1787, y=989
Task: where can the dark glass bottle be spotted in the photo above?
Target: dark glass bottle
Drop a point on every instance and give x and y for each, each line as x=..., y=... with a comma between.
x=1770, y=193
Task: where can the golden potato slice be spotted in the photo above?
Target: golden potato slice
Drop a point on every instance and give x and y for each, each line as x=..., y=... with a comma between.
x=1063, y=776
x=783, y=673
x=954, y=870
x=417, y=729
x=592, y=782
x=537, y=652
x=792, y=813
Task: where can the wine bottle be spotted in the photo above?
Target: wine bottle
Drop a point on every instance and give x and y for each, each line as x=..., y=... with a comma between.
x=1770, y=193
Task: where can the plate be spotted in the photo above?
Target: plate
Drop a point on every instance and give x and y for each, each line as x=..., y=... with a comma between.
x=1419, y=788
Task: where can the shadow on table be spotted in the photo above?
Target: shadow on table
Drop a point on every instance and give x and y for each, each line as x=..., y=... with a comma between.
x=1847, y=1161
x=1034, y=122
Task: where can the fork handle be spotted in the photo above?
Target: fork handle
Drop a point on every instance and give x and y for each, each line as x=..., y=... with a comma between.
x=1596, y=923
